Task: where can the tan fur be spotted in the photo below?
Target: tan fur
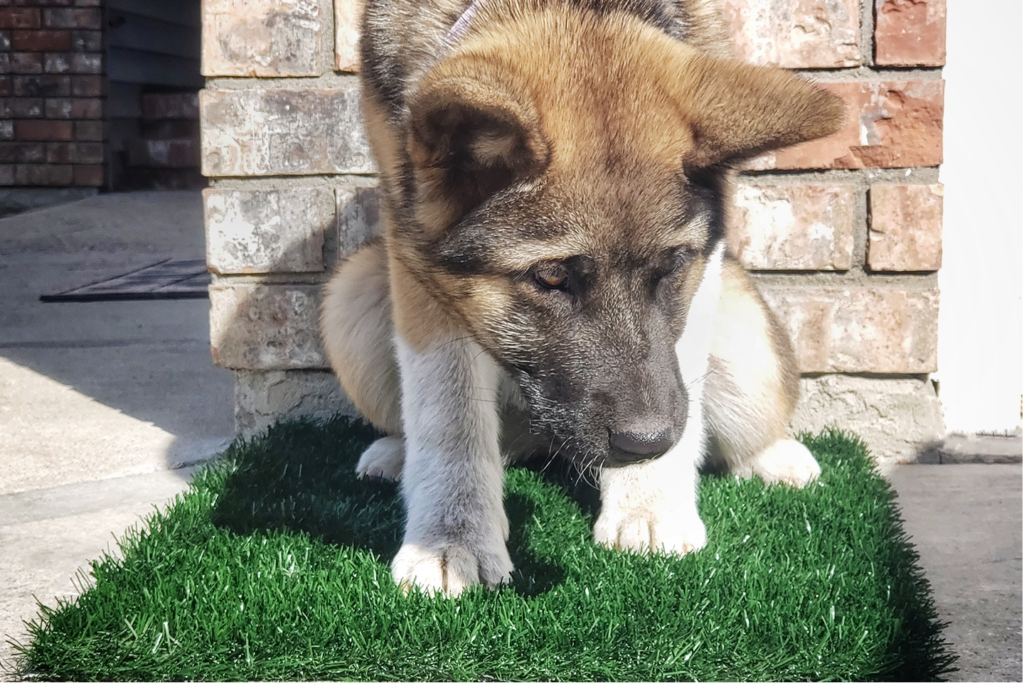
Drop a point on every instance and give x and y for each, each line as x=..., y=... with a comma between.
x=753, y=385
x=560, y=131
x=691, y=107
x=387, y=147
x=734, y=108
x=419, y=318
x=356, y=317
x=593, y=118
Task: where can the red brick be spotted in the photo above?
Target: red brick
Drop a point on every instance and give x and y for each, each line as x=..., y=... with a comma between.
x=244, y=229
x=86, y=86
x=43, y=174
x=9, y=151
x=88, y=153
x=74, y=153
x=88, y=175
x=169, y=129
x=347, y=21
x=58, y=108
x=797, y=34
x=910, y=32
x=889, y=124
x=906, y=228
x=86, y=63
x=22, y=152
x=57, y=64
x=6, y=88
x=42, y=86
x=75, y=62
x=89, y=130
x=892, y=330
x=301, y=132
x=164, y=153
x=21, y=108
x=257, y=38
x=41, y=41
x=42, y=130
x=265, y=327
x=60, y=152
x=792, y=226
x=22, y=17
x=26, y=63
x=73, y=18
x=87, y=41
x=358, y=217
x=87, y=108
x=171, y=106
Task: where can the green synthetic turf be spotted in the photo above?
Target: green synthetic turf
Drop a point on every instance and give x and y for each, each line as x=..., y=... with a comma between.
x=275, y=566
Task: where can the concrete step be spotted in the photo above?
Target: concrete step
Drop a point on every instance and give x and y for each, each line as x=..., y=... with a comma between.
x=963, y=449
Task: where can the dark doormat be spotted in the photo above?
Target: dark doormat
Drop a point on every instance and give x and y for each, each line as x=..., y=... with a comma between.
x=167, y=279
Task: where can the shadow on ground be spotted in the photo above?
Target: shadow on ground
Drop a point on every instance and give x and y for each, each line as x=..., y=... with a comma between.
x=148, y=361
x=302, y=479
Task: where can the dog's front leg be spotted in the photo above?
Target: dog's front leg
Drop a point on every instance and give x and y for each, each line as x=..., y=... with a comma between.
x=653, y=505
x=456, y=527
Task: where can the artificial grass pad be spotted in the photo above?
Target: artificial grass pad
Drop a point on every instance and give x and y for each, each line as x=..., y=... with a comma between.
x=275, y=566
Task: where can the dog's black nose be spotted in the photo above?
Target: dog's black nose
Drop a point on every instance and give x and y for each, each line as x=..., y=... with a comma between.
x=641, y=445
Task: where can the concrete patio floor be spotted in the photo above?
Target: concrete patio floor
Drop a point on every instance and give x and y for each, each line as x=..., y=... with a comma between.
x=102, y=405
x=106, y=407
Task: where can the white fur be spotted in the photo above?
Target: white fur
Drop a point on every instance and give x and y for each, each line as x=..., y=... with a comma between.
x=383, y=459
x=786, y=461
x=653, y=505
x=456, y=526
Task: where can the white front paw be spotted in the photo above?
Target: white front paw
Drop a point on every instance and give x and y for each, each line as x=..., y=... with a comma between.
x=667, y=531
x=449, y=569
x=788, y=462
x=384, y=459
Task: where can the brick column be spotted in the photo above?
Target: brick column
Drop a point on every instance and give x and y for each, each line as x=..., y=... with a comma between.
x=291, y=192
x=843, y=234
x=51, y=94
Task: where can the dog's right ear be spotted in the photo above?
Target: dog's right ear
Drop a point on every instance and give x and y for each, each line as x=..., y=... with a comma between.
x=468, y=139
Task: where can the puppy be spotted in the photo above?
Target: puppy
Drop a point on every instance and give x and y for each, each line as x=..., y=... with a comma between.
x=552, y=274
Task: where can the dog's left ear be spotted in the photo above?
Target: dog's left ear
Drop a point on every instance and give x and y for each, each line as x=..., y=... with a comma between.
x=737, y=111
x=468, y=139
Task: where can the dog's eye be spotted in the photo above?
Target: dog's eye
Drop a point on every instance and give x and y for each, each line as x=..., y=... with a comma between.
x=671, y=261
x=665, y=264
x=552, y=276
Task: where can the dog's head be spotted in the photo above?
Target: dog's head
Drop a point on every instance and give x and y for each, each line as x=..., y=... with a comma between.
x=566, y=186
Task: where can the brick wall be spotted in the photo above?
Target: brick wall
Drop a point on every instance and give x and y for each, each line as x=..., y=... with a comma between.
x=164, y=153
x=843, y=234
x=51, y=93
